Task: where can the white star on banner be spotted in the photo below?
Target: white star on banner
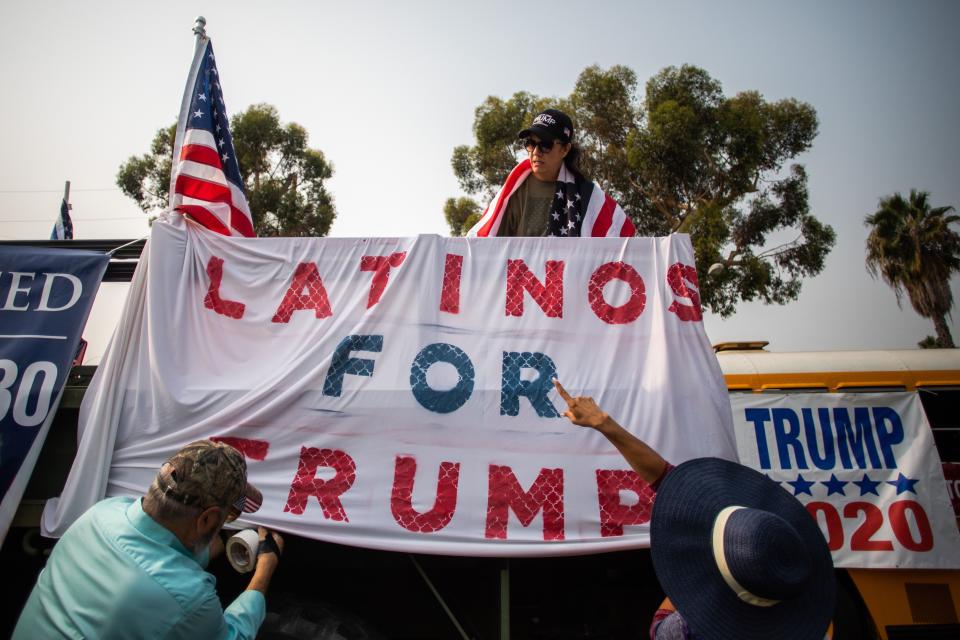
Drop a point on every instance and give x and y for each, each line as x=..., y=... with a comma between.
x=563, y=231
x=570, y=224
x=201, y=96
x=225, y=157
x=198, y=114
x=556, y=216
x=559, y=195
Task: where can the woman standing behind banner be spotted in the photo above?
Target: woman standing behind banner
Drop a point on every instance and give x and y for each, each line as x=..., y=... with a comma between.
x=558, y=200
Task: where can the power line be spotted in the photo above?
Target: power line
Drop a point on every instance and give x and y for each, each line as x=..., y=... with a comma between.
x=81, y=218
x=52, y=190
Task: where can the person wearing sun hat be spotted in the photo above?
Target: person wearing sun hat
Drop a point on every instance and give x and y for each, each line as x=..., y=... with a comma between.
x=738, y=557
x=134, y=568
x=547, y=193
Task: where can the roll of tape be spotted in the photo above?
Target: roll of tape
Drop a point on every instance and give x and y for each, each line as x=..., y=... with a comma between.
x=242, y=550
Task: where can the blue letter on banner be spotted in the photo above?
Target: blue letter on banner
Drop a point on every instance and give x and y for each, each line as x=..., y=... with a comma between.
x=888, y=438
x=788, y=437
x=441, y=401
x=758, y=417
x=342, y=363
x=535, y=390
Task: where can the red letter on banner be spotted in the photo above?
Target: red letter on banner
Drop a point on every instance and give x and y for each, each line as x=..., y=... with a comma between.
x=228, y=308
x=613, y=513
x=295, y=299
x=328, y=492
x=629, y=310
x=380, y=265
x=401, y=502
x=505, y=493
x=450, y=295
x=678, y=275
x=549, y=296
x=253, y=449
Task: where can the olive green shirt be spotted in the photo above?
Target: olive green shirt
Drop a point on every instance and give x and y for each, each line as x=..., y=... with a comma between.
x=528, y=211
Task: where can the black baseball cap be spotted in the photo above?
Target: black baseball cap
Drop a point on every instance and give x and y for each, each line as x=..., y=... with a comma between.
x=550, y=125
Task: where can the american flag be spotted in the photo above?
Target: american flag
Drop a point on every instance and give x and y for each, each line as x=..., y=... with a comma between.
x=205, y=181
x=63, y=228
x=250, y=501
x=580, y=209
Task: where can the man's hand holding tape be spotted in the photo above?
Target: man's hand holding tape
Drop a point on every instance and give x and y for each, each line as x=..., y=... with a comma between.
x=268, y=558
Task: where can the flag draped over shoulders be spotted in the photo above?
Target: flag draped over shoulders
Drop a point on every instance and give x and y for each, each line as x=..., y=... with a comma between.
x=580, y=208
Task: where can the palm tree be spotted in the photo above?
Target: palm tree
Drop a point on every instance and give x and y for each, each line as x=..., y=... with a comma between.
x=912, y=247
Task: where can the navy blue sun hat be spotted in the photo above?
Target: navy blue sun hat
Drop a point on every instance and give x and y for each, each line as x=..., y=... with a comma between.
x=738, y=556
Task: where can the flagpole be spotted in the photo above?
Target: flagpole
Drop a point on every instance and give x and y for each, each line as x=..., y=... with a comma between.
x=200, y=27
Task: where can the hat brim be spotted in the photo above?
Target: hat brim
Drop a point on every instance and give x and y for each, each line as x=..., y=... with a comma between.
x=543, y=133
x=684, y=511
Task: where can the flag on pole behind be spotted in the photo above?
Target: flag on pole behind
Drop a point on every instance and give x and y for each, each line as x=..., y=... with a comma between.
x=63, y=229
x=205, y=181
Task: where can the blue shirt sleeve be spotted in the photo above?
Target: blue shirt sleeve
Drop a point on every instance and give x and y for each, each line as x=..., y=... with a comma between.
x=246, y=612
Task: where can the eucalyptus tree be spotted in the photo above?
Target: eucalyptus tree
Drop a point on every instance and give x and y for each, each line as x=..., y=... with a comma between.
x=685, y=159
x=285, y=179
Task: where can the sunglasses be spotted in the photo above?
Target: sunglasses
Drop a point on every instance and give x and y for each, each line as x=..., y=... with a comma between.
x=530, y=144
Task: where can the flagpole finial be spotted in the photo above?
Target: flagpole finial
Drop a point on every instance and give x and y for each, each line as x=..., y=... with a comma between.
x=199, y=27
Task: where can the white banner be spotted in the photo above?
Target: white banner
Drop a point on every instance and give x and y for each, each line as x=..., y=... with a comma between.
x=395, y=393
x=865, y=466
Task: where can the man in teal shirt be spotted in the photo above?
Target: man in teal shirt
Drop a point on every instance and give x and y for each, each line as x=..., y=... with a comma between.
x=134, y=568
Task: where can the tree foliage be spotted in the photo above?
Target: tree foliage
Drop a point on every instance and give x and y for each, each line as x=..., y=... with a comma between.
x=913, y=249
x=461, y=214
x=685, y=159
x=283, y=177
x=146, y=178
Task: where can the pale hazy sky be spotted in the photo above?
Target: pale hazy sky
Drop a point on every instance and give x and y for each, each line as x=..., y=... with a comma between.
x=387, y=89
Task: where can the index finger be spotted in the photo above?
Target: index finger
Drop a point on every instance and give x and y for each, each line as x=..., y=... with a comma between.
x=563, y=392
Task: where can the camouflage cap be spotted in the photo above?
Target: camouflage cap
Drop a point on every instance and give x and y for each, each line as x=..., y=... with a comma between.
x=209, y=474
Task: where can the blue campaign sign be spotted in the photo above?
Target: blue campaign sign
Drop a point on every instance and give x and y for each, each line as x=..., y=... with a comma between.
x=45, y=298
